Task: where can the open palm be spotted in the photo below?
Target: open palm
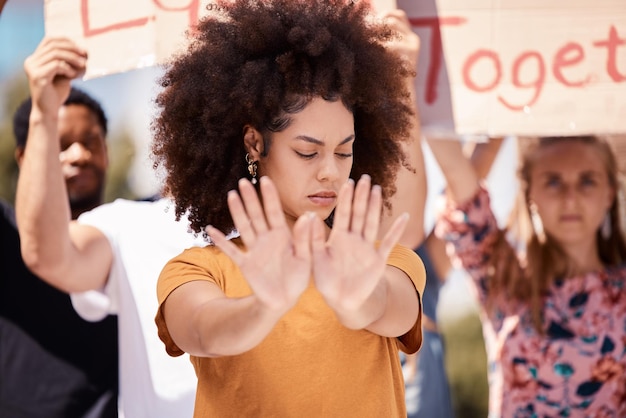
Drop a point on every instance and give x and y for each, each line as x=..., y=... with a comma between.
x=348, y=266
x=276, y=261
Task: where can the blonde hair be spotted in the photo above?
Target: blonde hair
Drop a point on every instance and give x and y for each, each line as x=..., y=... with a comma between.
x=542, y=259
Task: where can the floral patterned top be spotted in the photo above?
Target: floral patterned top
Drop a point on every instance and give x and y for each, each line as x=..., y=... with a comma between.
x=578, y=367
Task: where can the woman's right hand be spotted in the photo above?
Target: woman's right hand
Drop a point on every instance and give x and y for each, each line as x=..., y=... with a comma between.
x=275, y=262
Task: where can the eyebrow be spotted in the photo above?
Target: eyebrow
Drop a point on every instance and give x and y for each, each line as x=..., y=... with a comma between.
x=549, y=173
x=318, y=142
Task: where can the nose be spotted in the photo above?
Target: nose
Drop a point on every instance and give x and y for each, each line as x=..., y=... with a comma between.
x=329, y=169
x=570, y=195
x=75, y=154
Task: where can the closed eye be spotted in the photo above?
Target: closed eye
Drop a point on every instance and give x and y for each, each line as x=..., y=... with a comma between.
x=306, y=156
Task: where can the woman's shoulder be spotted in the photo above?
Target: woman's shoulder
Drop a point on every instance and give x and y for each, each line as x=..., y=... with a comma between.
x=410, y=263
x=208, y=254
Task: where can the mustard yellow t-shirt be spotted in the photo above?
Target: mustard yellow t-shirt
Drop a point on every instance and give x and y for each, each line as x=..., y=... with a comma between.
x=309, y=365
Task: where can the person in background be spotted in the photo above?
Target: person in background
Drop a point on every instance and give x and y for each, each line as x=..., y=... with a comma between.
x=427, y=388
x=552, y=285
x=294, y=141
x=109, y=258
x=53, y=363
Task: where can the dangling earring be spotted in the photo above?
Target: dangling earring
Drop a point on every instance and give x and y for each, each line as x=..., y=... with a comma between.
x=535, y=219
x=605, y=229
x=252, y=166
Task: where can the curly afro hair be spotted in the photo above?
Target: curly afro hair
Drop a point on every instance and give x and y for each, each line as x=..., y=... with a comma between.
x=245, y=64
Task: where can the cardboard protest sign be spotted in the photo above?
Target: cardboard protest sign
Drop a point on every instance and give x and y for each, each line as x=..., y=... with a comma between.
x=527, y=67
x=383, y=5
x=121, y=35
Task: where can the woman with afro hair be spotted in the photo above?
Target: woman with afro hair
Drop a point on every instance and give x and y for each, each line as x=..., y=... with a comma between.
x=286, y=123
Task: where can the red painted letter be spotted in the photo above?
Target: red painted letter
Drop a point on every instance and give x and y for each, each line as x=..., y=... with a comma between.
x=88, y=31
x=611, y=45
x=469, y=63
x=562, y=60
x=436, y=49
x=537, y=84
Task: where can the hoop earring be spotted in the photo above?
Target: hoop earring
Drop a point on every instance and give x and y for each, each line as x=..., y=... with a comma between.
x=605, y=229
x=535, y=219
x=252, y=167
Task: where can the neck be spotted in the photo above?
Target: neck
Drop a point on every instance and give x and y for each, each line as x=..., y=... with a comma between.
x=77, y=210
x=584, y=257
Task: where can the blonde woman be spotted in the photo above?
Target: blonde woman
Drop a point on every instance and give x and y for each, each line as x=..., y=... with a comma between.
x=554, y=304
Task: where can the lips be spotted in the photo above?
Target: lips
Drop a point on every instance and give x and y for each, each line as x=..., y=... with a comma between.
x=570, y=218
x=80, y=177
x=323, y=198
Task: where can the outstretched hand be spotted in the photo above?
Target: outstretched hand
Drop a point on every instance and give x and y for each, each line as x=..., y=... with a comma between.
x=277, y=261
x=348, y=267
x=50, y=69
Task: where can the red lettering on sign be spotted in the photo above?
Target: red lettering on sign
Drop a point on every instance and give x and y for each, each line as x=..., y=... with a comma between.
x=193, y=8
x=88, y=31
x=469, y=63
x=436, y=49
x=611, y=45
x=570, y=54
x=517, y=82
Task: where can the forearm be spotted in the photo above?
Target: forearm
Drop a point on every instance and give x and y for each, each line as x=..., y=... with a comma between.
x=411, y=184
x=410, y=196
x=390, y=310
x=42, y=208
x=462, y=181
x=230, y=326
x=484, y=154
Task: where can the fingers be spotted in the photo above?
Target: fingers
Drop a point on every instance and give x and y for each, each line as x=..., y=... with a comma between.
x=408, y=44
x=56, y=57
x=240, y=218
x=271, y=201
x=372, y=222
x=302, y=236
x=359, y=208
x=341, y=221
x=52, y=66
x=392, y=236
x=249, y=216
x=227, y=246
x=360, y=204
x=253, y=206
x=318, y=236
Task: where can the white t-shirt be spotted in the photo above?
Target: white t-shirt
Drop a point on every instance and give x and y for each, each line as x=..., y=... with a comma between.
x=144, y=236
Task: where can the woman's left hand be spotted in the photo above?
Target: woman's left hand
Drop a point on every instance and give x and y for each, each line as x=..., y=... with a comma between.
x=348, y=267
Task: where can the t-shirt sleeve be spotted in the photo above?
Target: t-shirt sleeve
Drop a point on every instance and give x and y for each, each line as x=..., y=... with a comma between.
x=95, y=305
x=190, y=265
x=406, y=260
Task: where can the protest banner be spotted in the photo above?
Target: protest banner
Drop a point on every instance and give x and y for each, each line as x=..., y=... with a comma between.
x=525, y=67
x=383, y=5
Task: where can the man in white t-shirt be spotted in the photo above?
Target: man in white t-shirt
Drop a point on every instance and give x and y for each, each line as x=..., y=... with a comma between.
x=110, y=258
x=142, y=236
